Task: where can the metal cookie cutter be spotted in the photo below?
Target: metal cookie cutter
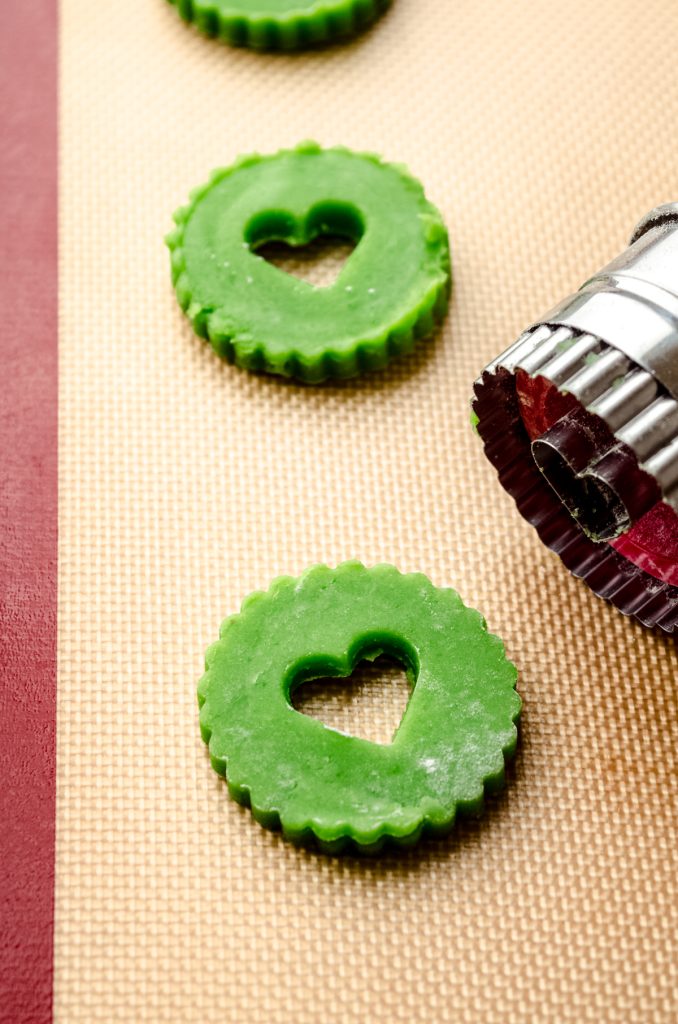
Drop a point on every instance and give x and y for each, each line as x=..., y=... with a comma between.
x=580, y=419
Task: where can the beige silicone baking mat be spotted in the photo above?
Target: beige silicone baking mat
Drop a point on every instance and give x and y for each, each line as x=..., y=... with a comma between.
x=543, y=131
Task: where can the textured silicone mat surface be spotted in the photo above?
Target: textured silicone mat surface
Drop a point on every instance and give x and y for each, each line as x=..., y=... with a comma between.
x=543, y=132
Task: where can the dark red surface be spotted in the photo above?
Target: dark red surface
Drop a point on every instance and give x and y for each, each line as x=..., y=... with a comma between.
x=652, y=543
x=28, y=505
x=541, y=403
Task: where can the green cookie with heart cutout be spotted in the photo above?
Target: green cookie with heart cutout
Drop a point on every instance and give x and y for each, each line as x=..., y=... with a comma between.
x=321, y=785
x=393, y=289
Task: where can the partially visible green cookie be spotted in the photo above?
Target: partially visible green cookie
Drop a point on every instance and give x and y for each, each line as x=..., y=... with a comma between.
x=280, y=24
x=392, y=290
x=320, y=784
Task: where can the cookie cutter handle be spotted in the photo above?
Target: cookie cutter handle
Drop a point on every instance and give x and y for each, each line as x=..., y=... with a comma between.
x=632, y=303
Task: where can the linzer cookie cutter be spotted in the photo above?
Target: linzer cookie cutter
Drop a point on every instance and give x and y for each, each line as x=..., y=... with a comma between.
x=580, y=419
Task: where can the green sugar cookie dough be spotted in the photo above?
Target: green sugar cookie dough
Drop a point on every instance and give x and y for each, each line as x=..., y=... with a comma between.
x=280, y=24
x=321, y=785
x=392, y=290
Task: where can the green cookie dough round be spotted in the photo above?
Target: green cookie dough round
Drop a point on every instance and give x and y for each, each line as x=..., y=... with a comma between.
x=314, y=782
x=280, y=24
x=392, y=290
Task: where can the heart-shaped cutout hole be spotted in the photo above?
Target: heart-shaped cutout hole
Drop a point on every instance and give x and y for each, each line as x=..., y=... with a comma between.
x=319, y=263
x=314, y=248
x=370, y=703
